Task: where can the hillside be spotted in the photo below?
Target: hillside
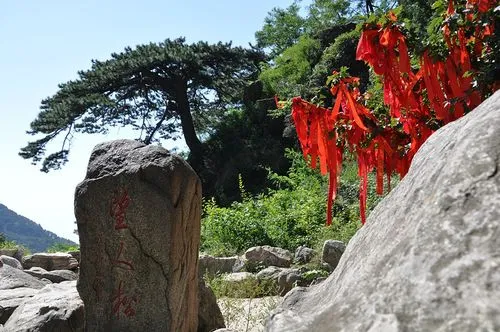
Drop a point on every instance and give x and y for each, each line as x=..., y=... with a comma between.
x=27, y=232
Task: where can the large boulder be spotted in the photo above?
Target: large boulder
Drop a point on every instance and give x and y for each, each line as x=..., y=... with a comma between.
x=138, y=215
x=50, y=261
x=54, y=275
x=428, y=258
x=209, y=315
x=11, y=277
x=56, y=307
x=17, y=252
x=10, y=299
x=11, y=261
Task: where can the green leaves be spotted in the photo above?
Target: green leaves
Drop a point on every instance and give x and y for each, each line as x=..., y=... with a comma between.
x=157, y=89
x=289, y=75
x=282, y=28
x=288, y=216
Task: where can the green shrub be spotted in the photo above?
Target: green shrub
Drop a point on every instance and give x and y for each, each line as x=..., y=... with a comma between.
x=290, y=215
x=6, y=244
x=62, y=247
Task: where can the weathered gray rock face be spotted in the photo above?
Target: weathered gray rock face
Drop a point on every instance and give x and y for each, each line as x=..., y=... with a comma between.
x=54, y=275
x=17, y=253
x=428, y=258
x=138, y=216
x=10, y=299
x=209, y=315
x=56, y=307
x=50, y=261
x=269, y=273
x=287, y=280
x=11, y=261
x=332, y=251
x=11, y=278
x=218, y=265
x=75, y=254
x=303, y=255
x=267, y=256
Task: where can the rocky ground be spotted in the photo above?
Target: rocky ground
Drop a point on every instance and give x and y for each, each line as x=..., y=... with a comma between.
x=247, y=315
x=39, y=290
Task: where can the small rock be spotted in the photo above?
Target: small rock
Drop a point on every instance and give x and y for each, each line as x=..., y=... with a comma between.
x=332, y=251
x=11, y=261
x=287, y=279
x=303, y=255
x=267, y=256
x=17, y=253
x=75, y=254
x=269, y=273
x=218, y=265
x=209, y=314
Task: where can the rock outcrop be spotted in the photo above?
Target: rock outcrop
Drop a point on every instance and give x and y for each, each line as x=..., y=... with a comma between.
x=264, y=256
x=54, y=275
x=11, y=261
x=50, y=261
x=56, y=307
x=212, y=266
x=428, y=258
x=138, y=216
x=11, y=277
x=10, y=299
x=17, y=253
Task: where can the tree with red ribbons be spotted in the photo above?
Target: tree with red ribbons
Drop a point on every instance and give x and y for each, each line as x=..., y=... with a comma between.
x=419, y=98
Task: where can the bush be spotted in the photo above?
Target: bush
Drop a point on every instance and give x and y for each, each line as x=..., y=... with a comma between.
x=6, y=244
x=290, y=215
x=62, y=247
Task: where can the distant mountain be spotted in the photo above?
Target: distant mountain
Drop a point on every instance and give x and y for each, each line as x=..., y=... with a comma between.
x=27, y=232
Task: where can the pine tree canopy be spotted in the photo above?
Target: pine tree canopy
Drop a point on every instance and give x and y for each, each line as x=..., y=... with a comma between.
x=158, y=89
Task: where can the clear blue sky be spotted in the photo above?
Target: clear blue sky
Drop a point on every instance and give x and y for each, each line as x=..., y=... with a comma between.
x=45, y=42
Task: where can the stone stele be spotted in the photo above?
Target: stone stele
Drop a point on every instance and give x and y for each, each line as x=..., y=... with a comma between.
x=138, y=216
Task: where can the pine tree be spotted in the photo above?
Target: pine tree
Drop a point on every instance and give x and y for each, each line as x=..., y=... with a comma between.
x=157, y=89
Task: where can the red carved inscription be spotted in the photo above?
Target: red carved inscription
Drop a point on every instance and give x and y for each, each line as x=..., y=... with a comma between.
x=119, y=205
x=123, y=303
